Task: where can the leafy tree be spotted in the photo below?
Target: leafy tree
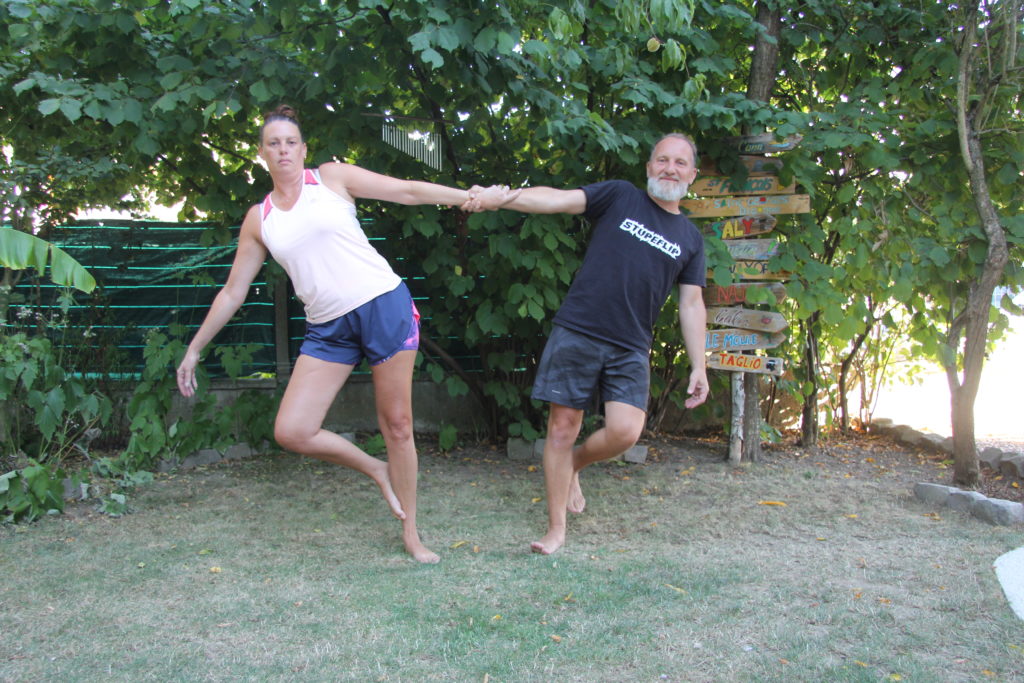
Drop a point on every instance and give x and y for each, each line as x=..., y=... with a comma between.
x=160, y=99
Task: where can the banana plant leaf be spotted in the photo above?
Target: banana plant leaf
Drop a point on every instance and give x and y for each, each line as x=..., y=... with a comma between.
x=20, y=250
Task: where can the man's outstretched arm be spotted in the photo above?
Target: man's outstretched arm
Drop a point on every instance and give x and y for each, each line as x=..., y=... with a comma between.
x=539, y=199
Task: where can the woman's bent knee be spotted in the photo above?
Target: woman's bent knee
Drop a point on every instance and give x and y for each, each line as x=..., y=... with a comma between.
x=291, y=438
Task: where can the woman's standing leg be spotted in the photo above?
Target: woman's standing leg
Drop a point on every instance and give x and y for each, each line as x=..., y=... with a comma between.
x=299, y=426
x=392, y=383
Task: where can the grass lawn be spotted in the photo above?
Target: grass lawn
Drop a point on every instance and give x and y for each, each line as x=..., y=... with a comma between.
x=682, y=569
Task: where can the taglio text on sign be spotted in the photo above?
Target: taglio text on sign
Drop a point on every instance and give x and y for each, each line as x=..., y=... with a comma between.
x=739, y=362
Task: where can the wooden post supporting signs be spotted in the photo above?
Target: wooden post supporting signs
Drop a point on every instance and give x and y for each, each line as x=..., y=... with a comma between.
x=742, y=210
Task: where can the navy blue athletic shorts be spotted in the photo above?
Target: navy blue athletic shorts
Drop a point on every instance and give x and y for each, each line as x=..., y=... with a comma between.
x=376, y=331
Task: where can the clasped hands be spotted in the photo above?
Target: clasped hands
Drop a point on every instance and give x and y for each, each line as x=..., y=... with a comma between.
x=489, y=198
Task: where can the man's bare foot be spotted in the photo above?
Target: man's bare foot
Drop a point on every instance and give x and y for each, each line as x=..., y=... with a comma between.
x=576, y=502
x=419, y=552
x=551, y=542
x=384, y=482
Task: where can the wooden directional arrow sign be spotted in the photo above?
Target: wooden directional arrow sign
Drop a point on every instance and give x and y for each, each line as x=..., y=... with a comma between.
x=741, y=340
x=738, y=362
x=742, y=206
x=761, y=144
x=757, y=270
x=754, y=165
x=747, y=319
x=719, y=185
x=743, y=226
x=752, y=250
x=738, y=293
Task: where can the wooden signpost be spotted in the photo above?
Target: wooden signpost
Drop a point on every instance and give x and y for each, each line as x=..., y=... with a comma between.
x=756, y=270
x=752, y=250
x=764, y=321
x=741, y=206
x=740, y=362
x=737, y=293
x=715, y=186
x=755, y=165
x=762, y=144
x=741, y=340
x=743, y=226
x=754, y=202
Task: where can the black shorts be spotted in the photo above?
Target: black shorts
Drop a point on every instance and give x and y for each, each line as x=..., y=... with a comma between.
x=575, y=367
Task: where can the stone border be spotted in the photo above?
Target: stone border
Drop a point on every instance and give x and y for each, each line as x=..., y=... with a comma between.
x=992, y=510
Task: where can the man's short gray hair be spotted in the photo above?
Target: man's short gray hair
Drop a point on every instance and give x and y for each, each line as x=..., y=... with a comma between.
x=678, y=136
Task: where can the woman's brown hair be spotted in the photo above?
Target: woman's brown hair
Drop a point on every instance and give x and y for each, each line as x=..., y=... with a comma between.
x=281, y=112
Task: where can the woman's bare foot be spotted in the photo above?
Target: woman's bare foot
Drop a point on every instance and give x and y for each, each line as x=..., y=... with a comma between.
x=419, y=552
x=576, y=502
x=384, y=482
x=551, y=542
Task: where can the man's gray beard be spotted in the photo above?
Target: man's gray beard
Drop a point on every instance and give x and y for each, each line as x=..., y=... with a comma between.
x=667, y=191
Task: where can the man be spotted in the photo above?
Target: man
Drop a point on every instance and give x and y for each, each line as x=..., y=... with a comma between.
x=641, y=246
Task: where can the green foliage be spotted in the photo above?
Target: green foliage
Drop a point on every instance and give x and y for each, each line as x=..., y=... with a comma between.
x=374, y=444
x=20, y=250
x=30, y=493
x=46, y=411
x=447, y=437
x=102, y=100
x=159, y=432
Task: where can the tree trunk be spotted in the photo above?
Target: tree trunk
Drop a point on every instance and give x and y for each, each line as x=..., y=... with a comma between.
x=844, y=376
x=971, y=107
x=759, y=88
x=751, y=417
x=809, y=418
x=738, y=405
x=766, y=53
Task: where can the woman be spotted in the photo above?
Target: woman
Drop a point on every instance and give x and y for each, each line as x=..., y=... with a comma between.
x=356, y=307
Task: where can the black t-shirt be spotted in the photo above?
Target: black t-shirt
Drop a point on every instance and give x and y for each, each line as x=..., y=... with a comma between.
x=637, y=252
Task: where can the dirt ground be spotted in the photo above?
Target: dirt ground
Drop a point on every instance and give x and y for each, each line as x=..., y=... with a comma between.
x=860, y=454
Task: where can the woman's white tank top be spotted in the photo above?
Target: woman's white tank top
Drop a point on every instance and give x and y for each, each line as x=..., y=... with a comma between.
x=325, y=252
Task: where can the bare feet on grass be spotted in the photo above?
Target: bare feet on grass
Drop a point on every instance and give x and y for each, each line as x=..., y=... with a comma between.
x=419, y=552
x=576, y=502
x=551, y=542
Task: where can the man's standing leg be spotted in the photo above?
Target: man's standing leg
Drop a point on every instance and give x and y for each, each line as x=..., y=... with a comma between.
x=563, y=427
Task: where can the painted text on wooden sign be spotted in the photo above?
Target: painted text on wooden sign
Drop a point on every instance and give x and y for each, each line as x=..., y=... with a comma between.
x=738, y=293
x=742, y=226
x=741, y=340
x=739, y=362
x=747, y=319
x=718, y=186
x=742, y=206
x=752, y=250
x=761, y=144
